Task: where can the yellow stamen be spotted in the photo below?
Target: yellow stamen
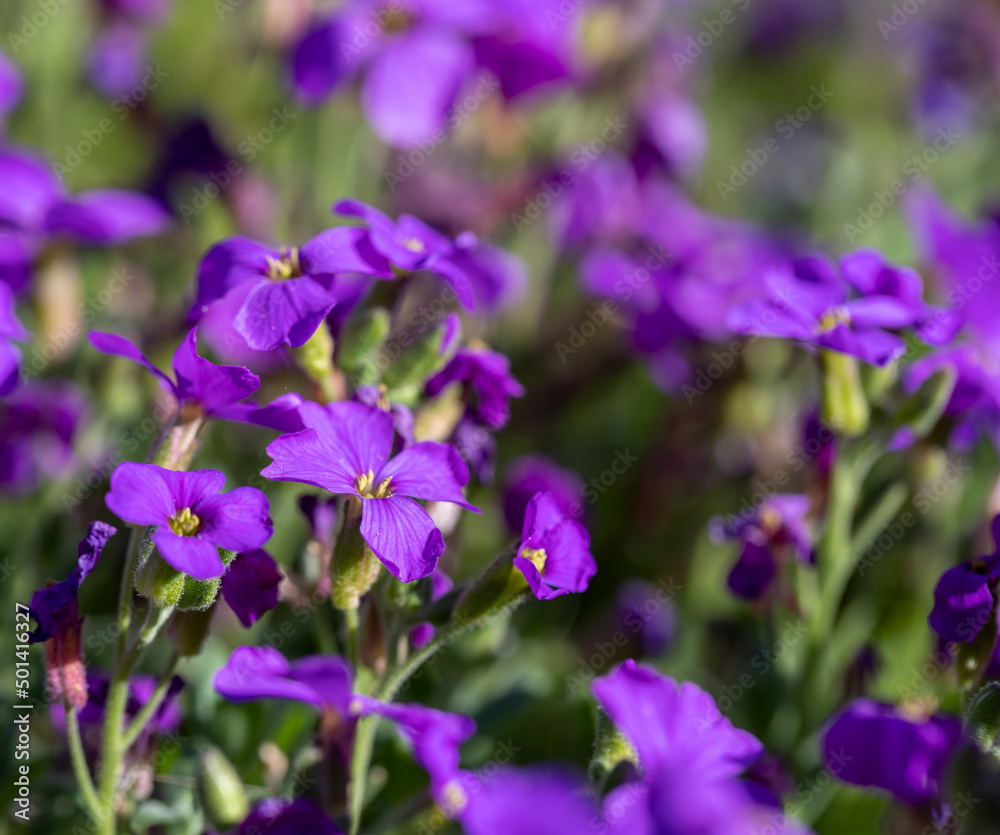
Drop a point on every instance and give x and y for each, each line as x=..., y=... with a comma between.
x=833, y=317
x=184, y=523
x=536, y=556
x=770, y=521
x=366, y=482
x=286, y=266
x=413, y=244
x=455, y=799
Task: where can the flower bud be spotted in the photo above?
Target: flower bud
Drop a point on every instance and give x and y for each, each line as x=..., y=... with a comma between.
x=200, y=594
x=360, y=341
x=220, y=790
x=161, y=583
x=845, y=406
x=406, y=376
x=189, y=629
x=66, y=677
x=354, y=568
x=499, y=587
x=610, y=749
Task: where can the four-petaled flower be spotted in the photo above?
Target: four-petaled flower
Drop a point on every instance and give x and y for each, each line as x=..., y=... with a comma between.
x=345, y=449
x=554, y=555
x=193, y=519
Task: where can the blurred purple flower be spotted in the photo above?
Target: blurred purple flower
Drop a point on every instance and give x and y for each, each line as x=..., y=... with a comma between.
x=281, y=816
x=11, y=331
x=640, y=608
x=531, y=474
x=554, y=555
x=194, y=520
x=882, y=746
x=486, y=381
x=250, y=585
x=118, y=58
x=964, y=596
x=346, y=449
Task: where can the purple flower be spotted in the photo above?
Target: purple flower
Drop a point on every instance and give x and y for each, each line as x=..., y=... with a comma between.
x=646, y=611
x=477, y=446
x=346, y=450
x=486, y=379
x=673, y=725
x=11, y=84
x=39, y=423
x=280, y=816
x=554, y=555
x=531, y=474
x=964, y=596
x=291, y=289
x=529, y=802
x=325, y=682
x=11, y=330
x=201, y=387
x=884, y=747
x=193, y=519
x=852, y=312
x=415, y=57
x=408, y=245
x=250, y=585
x=776, y=528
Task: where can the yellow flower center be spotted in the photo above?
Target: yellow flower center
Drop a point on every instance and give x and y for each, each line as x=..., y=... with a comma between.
x=454, y=799
x=770, y=521
x=286, y=266
x=395, y=21
x=184, y=523
x=833, y=317
x=536, y=556
x=413, y=244
x=366, y=483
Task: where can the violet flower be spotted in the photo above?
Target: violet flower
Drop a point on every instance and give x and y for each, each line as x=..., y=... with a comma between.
x=11, y=331
x=346, y=449
x=281, y=816
x=882, y=746
x=964, y=596
x=554, y=555
x=54, y=609
x=853, y=311
x=531, y=474
x=529, y=802
x=250, y=585
x=776, y=528
x=486, y=380
x=288, y=290
x=193, y=519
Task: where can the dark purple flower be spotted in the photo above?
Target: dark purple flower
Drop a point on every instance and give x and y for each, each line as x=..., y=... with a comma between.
x=193, y=519
x=673, y=725
x=486, y=380
x=478, y=447
x=250, y=585
x=291, y=289
x=554, y=555
x=201, y=387
x=853, y=311
x=776, y=528
x=11, y=84
x=964, y=596
x=11, y=330
x=884, y=747
x=408, y=245
x=346, y=449
x=39, y=423
x=531, y=474
x=281, y=816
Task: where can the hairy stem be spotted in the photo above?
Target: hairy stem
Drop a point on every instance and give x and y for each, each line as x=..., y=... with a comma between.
x=80, y=769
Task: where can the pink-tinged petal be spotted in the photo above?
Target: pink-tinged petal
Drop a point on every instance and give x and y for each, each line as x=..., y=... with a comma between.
x=429, y=470
x=191, y=554
x=253, y=673
x=343, y=249
x=237, y=520
x=30, y=188
x=283, y=313
x=213, y=386
x=139, y=494
x=303, y=457
x=107, y=217
x=411, y=86
x=118, y=346
x=228, y=264
x=319, y=64
x=250, y=586
x=402, y=535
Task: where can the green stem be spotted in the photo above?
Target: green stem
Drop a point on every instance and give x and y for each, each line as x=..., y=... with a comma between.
x=155, y=700
x=80, y=769
x=353, y=622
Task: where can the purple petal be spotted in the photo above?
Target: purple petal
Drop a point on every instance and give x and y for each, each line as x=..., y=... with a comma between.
x=318, y=62
x=412, y=84
x=344, y=249
x=118, y=346
x=281, y=414
x=230, y=263
x=280, y=816
x=402, y=535
x=753, y=572
x=11, y=84
x=874, y=347
x=521, y=66
x=30, y=189
x=118, y=58
x=530, y=802
x=193, y=555
x=140, y=494
x=963, y=604
x=250, y=586
x=329, y=676
x=212, y=386
x=237, y=520
x=17, y=257
x=283, y=313
x=107, y=217
x=10, y=326
x=429, y=470
x=253, y=673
